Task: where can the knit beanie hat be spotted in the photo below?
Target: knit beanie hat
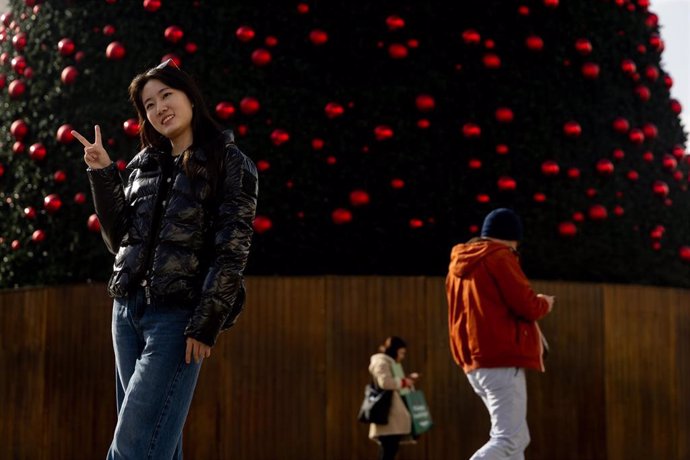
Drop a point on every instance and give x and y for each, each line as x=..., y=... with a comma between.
x=504, y=224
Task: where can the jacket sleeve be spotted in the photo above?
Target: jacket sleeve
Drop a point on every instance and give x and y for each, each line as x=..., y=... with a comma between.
x=222, y=296
x=109, y=200
x=515, y=288
x=383, y=376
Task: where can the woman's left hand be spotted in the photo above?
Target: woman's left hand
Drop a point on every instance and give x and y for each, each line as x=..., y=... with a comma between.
x=198, y=350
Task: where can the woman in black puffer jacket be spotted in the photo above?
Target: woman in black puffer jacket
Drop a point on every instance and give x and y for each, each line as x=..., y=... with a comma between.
x=180, y=230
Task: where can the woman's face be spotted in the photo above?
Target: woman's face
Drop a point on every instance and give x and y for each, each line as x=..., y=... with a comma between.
x=401, y=354
x=168, y=110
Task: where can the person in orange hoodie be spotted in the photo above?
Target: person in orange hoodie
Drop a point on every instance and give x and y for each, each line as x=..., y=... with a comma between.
x=494, y=336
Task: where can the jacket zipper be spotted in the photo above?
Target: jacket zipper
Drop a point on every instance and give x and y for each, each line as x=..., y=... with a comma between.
x=164, y=187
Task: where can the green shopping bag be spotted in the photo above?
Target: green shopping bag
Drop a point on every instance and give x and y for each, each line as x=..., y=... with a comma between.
x=421, y=417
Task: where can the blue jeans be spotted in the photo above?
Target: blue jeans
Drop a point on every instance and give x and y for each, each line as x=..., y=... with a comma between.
x=154, y=386
x=504, y=392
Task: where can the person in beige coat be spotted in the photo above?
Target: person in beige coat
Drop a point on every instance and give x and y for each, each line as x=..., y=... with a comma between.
x=387, y=372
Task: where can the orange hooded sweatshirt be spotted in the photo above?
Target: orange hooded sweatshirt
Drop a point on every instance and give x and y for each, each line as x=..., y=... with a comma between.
x=492, y=310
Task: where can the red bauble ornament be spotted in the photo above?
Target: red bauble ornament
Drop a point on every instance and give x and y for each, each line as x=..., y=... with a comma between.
x=648, y=157
x=115, y=51
x=669, y=162
x=60, y=176
x=590, y=70
x=6, y=18
x=131, y=127
x=660, y=189
x=341, y=216
x=397, y=183
x=650, y=130
x=263, y=165
x=80, y=198
x=109, y=30
x=37, y=151
x=643, y=93
x=30, y=212
x=684, y=253
x=539, y=197
x=633, y=175
x=676, y=107
x=79, y=55
x=550, y=168
x=657, y=232
x=502, y=149
x=279, y=137
x=52, y=203
x=578, y=217
x=471, y=130
x=656, y=43
x=618, y=210
x=474, y=163
x=652, y=20
x=383, y=132
x=152, y=5
x=318, y=37
x=573, y=173
x=317, y=144
x=668, y=81
x=395, y=22
x=425, y=103
x=18, y=64
x=504, y=115
x=416, y=223
x=334, y=110
x=534, y=43
x=597, y=212
x=18, y=147
x=483, y=198
x=261, y=57
x=618, y=154
x=567, y=229
x=245, y=33
x=225, y=110
x=651, y=72
x=173, y=34
x=572, y=129
x=636, y=136
x=628, y=66
x=19, y=41
x=359, y=198
x=191, y=47
x=679, y=152
x=64, y=134
x=506, y=184
x=397, y=51
x=249, y=105
x=3, y=80
x=69, y=75
x=471, y=37
x=19, y=129
x=16, y=89
x=491, y=61
x=583, y=46
x=551, y=3
x=38, y=236
x=66, y=46
x=93, y=224
x=262, y=224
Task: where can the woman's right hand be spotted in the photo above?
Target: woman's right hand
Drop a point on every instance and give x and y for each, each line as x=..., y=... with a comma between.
x=95, y=155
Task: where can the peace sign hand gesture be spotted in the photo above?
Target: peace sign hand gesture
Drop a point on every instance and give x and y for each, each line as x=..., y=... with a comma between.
x=95, y=155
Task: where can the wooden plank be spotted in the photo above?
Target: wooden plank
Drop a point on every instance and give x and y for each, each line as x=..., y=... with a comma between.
x=641, y=392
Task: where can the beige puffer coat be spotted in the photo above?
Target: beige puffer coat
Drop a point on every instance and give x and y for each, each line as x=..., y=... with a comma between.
x=399, y=420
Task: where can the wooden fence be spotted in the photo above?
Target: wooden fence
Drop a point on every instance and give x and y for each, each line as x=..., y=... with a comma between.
x=286, y=382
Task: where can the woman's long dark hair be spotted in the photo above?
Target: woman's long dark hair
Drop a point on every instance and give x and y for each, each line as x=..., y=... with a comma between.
x=391, y=346
x=206, y=132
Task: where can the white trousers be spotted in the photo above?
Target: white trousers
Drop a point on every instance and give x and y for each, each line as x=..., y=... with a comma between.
x=504, y=392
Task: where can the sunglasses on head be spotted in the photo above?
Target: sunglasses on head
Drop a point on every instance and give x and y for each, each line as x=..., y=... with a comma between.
x=166, y=63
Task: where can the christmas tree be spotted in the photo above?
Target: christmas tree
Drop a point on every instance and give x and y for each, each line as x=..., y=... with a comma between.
x=383, y=132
